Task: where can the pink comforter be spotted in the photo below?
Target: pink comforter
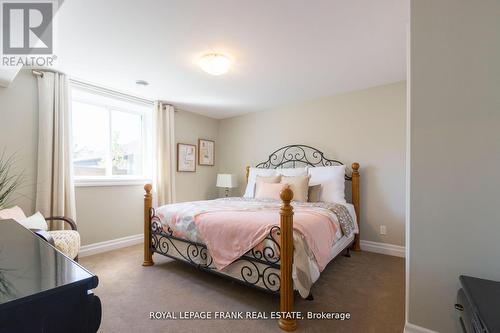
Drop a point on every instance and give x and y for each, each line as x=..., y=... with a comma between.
x=230, y=234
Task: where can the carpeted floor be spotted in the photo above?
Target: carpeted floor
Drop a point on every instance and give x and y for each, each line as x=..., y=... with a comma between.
x=369, y=286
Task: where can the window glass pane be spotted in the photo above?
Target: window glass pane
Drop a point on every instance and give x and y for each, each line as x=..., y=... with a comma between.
x=126, y=143
x=90, y=139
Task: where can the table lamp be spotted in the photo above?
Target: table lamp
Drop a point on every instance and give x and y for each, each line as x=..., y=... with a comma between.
x=227, y=181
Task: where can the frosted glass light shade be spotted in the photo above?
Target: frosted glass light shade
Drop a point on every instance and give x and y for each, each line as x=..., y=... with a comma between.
x=215, y=63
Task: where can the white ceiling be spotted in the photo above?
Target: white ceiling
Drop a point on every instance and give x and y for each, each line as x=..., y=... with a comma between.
x=284, y=51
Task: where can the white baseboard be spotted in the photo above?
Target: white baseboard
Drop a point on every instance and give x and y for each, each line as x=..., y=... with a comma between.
x=383, y=248
x=113, y=244
x=411, y=328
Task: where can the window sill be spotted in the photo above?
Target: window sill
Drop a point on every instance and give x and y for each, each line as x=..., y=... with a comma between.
x=89, y=182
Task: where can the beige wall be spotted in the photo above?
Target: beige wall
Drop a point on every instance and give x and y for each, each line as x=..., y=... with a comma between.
x=103, y=212
x=455, y=154
x=109, y=212
x=366, y=126
x=19, y=134
x=200, y=185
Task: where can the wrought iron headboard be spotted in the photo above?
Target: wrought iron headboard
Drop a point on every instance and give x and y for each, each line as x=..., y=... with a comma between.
x=298, y=155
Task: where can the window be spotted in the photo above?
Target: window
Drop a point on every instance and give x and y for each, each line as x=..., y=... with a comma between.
x=111, y=139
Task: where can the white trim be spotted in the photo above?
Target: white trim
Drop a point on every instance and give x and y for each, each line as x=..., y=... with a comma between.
x=113, y=244
x=93, y=182
x=411, y=328
x=383, y=248
x=408, y=168
x=109, y=92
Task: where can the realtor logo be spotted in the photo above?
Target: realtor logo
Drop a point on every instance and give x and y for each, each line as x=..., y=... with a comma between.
x=27, y=27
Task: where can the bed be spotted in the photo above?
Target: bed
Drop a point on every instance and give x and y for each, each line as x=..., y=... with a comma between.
x=279, y=246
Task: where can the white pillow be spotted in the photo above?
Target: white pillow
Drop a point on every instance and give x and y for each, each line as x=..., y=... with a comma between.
x=15, y=213
x=35, y=221
x=252, y=176
x=292, y=172
x=332, y=182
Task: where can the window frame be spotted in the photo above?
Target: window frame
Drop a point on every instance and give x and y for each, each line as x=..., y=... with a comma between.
x=144, y=109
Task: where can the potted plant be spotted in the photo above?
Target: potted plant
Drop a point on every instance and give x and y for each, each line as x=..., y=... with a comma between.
x=9, y=182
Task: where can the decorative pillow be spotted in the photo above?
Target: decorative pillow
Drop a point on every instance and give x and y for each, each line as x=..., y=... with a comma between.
x=292, y=172
x=35, y=221
x=67, y=241
x=252, y=176
x=314, y=193
x=269, y=180
x=269, y=191
x=332, y=181
x=299, y=185
x=15, y=213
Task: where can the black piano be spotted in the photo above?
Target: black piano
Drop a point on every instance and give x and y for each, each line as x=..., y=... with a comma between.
x=42, y=290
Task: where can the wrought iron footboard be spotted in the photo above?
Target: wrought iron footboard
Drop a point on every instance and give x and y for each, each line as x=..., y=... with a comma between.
x=260, y=266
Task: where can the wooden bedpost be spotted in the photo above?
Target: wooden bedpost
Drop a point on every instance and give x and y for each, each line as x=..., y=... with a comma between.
x=355, y=202
x=248, y=172
x=286, y=258
x=148, y=204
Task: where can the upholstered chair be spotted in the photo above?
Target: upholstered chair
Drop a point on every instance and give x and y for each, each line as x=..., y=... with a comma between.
x=66, y=241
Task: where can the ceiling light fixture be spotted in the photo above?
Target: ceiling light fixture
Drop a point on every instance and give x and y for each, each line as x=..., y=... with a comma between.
x=215, y=63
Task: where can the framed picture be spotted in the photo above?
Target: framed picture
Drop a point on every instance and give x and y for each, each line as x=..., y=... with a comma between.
x=186, y=157
x=206, y=151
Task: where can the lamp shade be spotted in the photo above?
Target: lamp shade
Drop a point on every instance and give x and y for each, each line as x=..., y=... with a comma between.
x=215, y=63
x=226, y=180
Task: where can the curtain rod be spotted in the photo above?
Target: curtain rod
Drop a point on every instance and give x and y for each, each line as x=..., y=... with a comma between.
x=37, y=73
x=99, y=89
x=107, y=91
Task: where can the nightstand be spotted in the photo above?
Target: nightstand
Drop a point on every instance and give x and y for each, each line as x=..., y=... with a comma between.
x=478, y=305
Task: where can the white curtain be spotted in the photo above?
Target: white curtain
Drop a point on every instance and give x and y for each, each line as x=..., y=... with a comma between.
x=164, y=149
x=55, y=194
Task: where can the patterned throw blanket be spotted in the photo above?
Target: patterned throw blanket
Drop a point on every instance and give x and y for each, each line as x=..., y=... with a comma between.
x=343, y=216
x=232, y=226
